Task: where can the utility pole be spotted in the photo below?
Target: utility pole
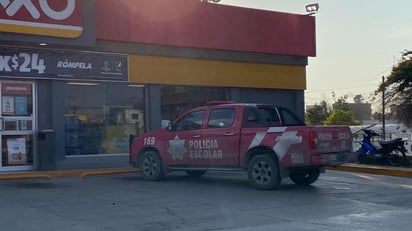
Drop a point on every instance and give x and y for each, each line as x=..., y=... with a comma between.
x=383, y=108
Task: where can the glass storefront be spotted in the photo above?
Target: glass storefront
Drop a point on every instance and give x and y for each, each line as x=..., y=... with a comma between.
x=177, y=99
x=99, y=117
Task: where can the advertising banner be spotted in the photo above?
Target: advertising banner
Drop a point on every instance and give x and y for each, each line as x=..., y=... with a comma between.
x=16, y=148
x=63, y=65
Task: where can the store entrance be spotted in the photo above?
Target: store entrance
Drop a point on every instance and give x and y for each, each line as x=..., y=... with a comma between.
x=17, y=125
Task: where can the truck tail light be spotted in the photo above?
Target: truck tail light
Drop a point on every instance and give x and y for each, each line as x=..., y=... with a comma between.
x=313, y=140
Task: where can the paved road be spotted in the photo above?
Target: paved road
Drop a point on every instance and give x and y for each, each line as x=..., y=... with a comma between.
x=224, y=201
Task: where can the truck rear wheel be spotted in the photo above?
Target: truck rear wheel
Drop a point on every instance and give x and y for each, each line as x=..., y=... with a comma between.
x=151, y=166
x=305, y=177
x=263, y=172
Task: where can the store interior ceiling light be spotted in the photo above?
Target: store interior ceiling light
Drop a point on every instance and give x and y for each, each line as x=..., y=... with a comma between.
x=83, y=83
x=135, y=85
x=43, y=44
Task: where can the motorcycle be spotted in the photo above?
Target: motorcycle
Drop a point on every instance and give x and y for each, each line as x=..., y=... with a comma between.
x=392, y=152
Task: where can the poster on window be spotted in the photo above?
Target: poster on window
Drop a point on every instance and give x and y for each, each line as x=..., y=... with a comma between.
x=21, y=103
x=8, y=105
x=16, y=150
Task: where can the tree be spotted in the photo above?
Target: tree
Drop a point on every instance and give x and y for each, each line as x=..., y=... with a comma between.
x=377, y=115
x=317, y=114
x=341, y=104
x=358, y=99
x=340, y=114
x=340, y=117
x=398, y=90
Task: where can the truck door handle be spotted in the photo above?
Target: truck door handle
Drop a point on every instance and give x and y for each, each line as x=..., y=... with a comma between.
x=196, y=136
x=229, y=134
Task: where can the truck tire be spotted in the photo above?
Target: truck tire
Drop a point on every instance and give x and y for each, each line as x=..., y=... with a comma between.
x=305, y=177
x=263, y=172
x=195, y=173
x=151, y=166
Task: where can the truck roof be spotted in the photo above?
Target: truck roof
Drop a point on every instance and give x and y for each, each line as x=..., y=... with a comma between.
x=214, y=104
x=298, y=122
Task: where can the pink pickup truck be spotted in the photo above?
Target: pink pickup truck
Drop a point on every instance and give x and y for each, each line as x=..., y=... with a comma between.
x=267, y=141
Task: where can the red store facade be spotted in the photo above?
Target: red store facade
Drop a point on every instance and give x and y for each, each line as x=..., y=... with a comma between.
x=92, y=72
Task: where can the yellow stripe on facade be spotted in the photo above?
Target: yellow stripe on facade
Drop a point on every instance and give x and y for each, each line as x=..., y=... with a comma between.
x=53, y=32
x=181, y=71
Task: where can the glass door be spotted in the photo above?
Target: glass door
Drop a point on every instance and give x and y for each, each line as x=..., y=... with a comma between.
x=17, y=125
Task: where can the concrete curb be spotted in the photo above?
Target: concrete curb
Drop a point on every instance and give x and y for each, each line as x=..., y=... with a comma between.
x=64, y=173
x=380, y=170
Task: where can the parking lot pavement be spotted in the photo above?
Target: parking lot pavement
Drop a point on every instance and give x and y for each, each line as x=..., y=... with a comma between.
x=217, y=201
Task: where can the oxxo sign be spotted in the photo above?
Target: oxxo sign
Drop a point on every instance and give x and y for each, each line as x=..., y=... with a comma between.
x=56, y=18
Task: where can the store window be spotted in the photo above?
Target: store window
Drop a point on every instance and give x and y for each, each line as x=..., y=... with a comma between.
x=178, y=99
x=16, y=124
x=100, y=117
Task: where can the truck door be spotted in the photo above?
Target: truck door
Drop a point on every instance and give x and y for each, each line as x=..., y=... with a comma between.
x=218, y=144
x=181, y=137
x=254, y=126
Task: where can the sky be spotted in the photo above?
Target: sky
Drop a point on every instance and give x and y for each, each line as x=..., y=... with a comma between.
x=357, y=42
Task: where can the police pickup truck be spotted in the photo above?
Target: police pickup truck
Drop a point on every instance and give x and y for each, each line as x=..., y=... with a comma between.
x=267, y=141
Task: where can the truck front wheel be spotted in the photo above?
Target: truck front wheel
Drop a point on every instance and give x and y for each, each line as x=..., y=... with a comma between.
x=305, y=177
x=263, y=172
x=151, y=166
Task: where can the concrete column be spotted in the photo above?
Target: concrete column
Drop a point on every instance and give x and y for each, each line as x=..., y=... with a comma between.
x=153, y=107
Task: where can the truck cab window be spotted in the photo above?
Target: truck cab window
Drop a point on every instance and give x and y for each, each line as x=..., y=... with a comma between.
x=221, y=118
x=253, y=118
x=290, y=119
x=270, y=116
x=191, y=121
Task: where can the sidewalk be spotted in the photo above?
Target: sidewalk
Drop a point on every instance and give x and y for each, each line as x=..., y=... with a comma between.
x=372, y=169
x=63, y=173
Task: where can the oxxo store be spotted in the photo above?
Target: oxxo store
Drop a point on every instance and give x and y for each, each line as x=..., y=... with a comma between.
x=114, y=68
